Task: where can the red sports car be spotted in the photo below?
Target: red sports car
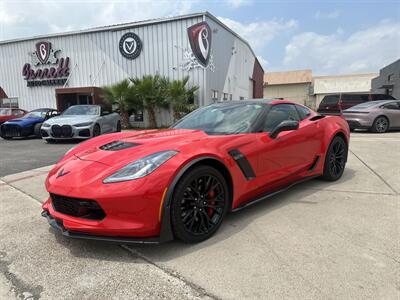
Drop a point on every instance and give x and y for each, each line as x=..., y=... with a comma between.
x=155, y=185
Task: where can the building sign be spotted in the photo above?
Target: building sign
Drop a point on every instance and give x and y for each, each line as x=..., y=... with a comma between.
x=45, y=67
x=130, y=45
x=199, y=56
x=200, y=42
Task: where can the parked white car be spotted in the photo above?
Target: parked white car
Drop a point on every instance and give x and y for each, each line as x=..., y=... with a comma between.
x=80, y=122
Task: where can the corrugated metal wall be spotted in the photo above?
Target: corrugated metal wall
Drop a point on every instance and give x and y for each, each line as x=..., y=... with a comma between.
x=234, y=64
x=95, y=60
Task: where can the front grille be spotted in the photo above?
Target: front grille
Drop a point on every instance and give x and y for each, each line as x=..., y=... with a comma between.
x=76, y=207
x=61, y=131
x=9, y=130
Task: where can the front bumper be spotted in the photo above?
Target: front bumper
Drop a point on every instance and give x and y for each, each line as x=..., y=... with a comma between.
x=357, y=121
x=69, y=132
x=58, y=225
x=13, y=130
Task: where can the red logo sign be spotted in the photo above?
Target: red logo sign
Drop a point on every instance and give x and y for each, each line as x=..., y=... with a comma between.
x=200, y=42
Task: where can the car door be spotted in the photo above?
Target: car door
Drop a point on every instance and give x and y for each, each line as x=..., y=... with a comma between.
x=392, y=111
x=283, y=158
x=105, y=120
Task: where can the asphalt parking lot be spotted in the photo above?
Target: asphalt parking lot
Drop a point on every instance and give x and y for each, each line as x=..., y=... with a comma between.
x=19, y=155
x=318, y=240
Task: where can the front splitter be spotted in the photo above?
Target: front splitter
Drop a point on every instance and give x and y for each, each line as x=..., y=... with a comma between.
x=78, y=235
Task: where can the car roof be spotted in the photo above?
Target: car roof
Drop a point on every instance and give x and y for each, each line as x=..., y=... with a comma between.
x=255, y=101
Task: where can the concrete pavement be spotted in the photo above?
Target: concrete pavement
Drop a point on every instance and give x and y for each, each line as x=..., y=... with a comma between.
x=318, y=240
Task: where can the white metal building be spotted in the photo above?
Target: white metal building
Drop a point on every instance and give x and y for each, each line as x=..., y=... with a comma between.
x=71, y=66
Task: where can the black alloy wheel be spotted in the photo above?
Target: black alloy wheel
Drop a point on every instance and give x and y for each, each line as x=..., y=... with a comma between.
x=96, y=130
x=200, y=203
x=335, y=160
x=380, y=125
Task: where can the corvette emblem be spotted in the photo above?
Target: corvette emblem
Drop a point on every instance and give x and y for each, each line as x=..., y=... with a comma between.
x=130, y=45
x=62, y=173
x=200, y=42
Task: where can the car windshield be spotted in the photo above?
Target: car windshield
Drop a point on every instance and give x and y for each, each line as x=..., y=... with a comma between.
x=222, y=119
x=35, y=114
x=5, y=112
x=86, y=110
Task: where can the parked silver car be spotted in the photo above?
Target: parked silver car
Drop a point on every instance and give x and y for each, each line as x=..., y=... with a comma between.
x=377, y=116
x=80, y=122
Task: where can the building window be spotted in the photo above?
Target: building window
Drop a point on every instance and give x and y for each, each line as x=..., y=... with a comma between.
x=241, y=98
x=214, y=95
x=138, y=116
x=390, y=77
x=225, y=98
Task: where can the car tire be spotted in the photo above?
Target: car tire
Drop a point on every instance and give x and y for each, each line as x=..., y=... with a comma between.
x=36, y=130
x=335, y=159
x=380, y=125
x=119, y=128
x=96, y=130
x=50, y=141
x=200, y=203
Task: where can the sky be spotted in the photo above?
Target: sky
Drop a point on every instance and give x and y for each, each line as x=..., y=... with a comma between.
x=329, y=37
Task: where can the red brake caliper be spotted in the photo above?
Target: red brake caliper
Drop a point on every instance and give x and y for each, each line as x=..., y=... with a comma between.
x=211, y=196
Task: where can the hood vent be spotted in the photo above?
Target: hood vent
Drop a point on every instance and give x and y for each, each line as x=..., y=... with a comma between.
x=118, y=145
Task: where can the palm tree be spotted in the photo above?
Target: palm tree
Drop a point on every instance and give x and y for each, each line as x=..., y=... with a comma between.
x=151, y=91
x=181, y=98
x=121, y=94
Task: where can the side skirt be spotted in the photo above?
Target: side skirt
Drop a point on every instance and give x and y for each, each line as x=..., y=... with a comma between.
x=271, y=194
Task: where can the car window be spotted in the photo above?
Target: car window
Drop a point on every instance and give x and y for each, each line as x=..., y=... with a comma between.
x=355, y=98
x=5, y=112
x=78, y=110
x=330, y=99
x=16, y=112
x=381, y=97
x=279, y=113
x=391, y=105
x=304, y=112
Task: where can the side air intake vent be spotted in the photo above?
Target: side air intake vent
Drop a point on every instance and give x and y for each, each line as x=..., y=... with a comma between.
x=317, y=117
x=118, y=145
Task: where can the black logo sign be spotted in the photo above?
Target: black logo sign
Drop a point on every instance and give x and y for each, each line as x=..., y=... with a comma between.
x=130, y=45
x=200, y=42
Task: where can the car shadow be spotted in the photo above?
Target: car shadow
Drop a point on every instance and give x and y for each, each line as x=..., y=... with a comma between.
x=233, y=224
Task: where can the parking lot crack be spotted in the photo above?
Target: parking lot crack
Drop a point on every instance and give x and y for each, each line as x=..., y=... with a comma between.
x=374, y=172
x=21, y=289
x=201, y=291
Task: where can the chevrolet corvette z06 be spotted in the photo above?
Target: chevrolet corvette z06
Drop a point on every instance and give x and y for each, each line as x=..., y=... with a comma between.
x=155, y=185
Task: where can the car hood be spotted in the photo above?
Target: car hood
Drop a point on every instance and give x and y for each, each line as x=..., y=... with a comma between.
x=70, y=120
x=24, y=121
x=137, y=145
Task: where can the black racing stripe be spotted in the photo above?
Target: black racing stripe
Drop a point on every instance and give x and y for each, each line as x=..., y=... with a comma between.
x=243, y=164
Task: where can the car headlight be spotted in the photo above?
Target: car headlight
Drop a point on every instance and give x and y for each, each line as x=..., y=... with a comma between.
x=46, y=125
x=83, y=124
x=141, y=167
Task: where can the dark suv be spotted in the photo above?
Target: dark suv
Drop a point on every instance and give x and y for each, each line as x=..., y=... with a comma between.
x=334, y=104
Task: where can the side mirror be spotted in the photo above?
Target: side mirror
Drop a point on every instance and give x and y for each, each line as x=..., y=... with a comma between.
x=284, y=126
